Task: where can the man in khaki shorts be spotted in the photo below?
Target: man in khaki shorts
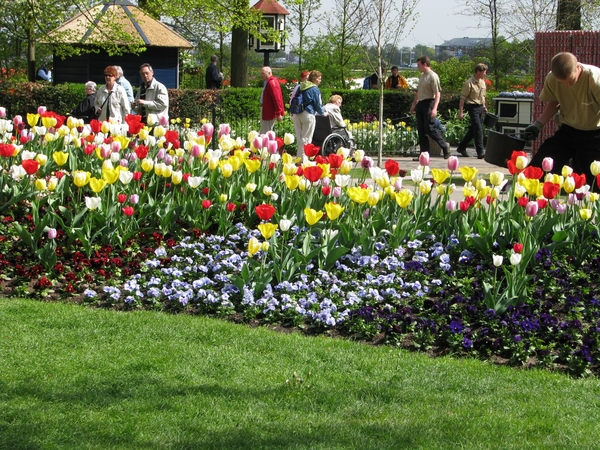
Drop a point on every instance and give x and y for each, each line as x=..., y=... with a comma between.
x=573, y=90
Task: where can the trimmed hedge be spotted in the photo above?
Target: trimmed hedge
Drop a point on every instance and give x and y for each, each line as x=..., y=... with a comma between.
x=228, y=105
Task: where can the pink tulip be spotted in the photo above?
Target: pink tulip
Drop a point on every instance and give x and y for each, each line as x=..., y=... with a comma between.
x=451, y=205
x=272, y=147
x=271, y=135
x=123, y=162
x=208, y=129
x=265, y=141
x=52, y=233
x=132, y=156
x=2, y=112
x=452, y=163
x=571, y=199
x=398, y=184
x=532, y=209
x=42, y=109
x=168, y=160
x=105, y=152
x=547, y=164
x=134, y=199
x=336, y=192
x=115, y=146
x=17, y=120
x=224, y=129
x=424, y=159
x=366, y=213
x=161, y=154
x=257, y=143
x=195, y=150
x=164, y=121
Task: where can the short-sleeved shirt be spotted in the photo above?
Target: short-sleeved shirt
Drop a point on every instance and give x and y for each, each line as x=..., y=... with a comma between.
x=473, y=91
x=429, y=85
x=579, y=103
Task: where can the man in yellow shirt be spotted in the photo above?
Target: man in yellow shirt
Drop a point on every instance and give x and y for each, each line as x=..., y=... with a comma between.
x=472, y=99
x=573, y=90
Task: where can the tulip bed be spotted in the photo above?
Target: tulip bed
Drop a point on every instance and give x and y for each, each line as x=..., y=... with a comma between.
x=158, y=216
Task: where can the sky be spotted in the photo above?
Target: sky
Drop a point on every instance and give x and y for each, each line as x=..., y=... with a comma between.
x=438, y=21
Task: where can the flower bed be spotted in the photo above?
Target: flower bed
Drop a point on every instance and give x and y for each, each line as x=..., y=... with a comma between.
x=146, y=216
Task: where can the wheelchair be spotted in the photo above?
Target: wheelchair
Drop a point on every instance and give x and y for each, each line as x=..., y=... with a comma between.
x=330, y=139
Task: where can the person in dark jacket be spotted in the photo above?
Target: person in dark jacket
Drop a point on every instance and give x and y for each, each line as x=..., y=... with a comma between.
x=311, y=96
x=85, y=110
x=214, y=78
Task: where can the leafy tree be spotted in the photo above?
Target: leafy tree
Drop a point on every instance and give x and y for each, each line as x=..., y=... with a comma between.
x=303, y=13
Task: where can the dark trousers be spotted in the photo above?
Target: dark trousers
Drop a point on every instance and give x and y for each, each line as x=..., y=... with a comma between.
x=582, y=146
x=425, y=126
x=475, y=130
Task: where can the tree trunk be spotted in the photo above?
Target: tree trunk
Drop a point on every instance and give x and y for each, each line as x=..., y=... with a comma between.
x=239, y=55
x=31, y=71
x=568, y=15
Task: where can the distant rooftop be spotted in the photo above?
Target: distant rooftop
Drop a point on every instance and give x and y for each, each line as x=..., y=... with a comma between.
x=467, y=42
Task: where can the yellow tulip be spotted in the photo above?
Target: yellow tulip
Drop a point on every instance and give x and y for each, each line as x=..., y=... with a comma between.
x=288, y=139
x=333, y=210
x=32, y=119
x=41, y=159
x=222, y=198
x=158, y=168
x=440, y=175
x=469, y=191
x=585, y=213
x=235, y=163
x=595, y=167
x=358, y=194
x=289, y=169
x=143, y=134
x=81, y=178
x=521, y=162
x=373, y=198
x=253, y=246
x=110, y=175
x=267, y=229
x=594, y=196
x=519, y=191
x=226, y=169
x=440, y=189
x=40, y=184
x=167, y=171
x=252, y=165
x=49, y=137
x=496, y=178
x=303, y=184
x=346, y=167
x=159, y=131
x=97, y=184
x=176, y=177
x=425, y=187
x=105, y=127
x=52, y=183
x=404, y=197
x=147, y=164
x=480, y=184
x=49, y=122
x=251, y=187
x=292, y=181
x=213, y=163
x=60, y=158
x=468, y=173
x=312, y=216
x=569, y=185
x=566, y=171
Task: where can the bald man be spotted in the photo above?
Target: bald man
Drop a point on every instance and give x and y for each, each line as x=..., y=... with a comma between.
x=271, y=101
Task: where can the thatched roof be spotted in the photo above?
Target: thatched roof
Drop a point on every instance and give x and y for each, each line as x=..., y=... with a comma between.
x=93, y=26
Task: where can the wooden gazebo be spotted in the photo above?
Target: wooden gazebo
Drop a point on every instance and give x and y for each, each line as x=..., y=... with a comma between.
x=88, y=29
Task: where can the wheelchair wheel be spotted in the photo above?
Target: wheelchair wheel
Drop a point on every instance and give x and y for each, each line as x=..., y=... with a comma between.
x=331, y=144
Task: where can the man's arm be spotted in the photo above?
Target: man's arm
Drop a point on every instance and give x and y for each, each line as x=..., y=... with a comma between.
x=436, y=102
x=461, y=105
x=534, y=129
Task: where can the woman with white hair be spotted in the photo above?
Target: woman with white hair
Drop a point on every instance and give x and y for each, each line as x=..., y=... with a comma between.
x=85, y=110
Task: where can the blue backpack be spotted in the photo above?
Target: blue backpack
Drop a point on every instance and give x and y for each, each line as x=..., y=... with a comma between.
x=297, y=103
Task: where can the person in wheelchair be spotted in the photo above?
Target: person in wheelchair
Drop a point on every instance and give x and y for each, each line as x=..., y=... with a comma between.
x=335, y=116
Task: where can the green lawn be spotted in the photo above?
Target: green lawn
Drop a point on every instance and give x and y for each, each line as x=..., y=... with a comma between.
x=75, y=377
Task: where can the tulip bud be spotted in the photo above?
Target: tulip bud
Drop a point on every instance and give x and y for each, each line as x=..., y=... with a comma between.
x=424, y=159
x=547, y=164
x=452, y=163
x=52, y=233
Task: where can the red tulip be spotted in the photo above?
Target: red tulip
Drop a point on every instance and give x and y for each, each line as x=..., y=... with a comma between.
x=128, y=210
x=206, y=204
x=579, y=179
x=7, y=150
x=335, y=160
x=392, y=167
x=265, y=211
x=533, y=172
x=231, y=207
x=523, y=201
x=121, y=198
x=551, y=190
x=142, y=151
x=518, y=247
x=313, y=173
x=31, y=166
x=311, y=150
x=326, y=190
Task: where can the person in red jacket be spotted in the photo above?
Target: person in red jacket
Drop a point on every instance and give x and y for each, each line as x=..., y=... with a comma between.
x=271, y=101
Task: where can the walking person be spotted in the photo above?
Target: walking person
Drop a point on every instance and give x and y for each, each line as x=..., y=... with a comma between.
x=295, y=118
x=152, y=97
x=425, y=105
x=86, y=110
x=213, y=77
x=312, y=105
x=111, y=99
x=573, y=90
x=271, y=101
x=472, y=100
